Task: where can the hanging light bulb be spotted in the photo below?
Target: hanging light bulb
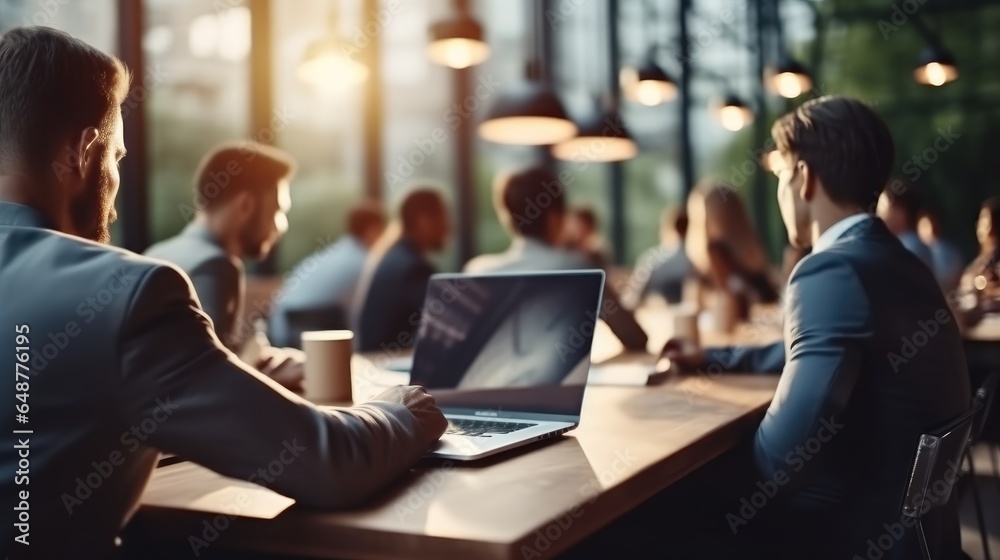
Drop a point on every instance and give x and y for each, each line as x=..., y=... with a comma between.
x=457, y=43
x=327, y=66
x=733, y=113
x=648, y=84
x=935, y=67
x=528, y=114
x=603, y=138
x=790, y=79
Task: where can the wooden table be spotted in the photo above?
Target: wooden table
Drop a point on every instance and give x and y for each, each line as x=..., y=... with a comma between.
x=532, y=503
x=987, y=330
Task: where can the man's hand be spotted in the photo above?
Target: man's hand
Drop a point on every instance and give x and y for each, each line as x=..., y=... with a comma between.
x=287, y=366
x=420, y=404
x=678, y=351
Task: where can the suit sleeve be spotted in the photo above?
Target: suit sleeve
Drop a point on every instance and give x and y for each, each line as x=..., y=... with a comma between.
x=193, y=398
x=827, y=339
x=217, y=284
x=756, y=359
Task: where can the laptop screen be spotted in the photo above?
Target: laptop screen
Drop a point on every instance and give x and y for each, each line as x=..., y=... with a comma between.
x=500, y=343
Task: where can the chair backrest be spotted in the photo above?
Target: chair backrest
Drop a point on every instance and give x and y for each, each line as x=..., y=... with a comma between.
x=937, y=464
x=984, y=395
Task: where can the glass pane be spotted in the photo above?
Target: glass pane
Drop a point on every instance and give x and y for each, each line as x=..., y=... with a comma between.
x=321, y=122
x=93, y=21
x=198, y=71
x=419, y=132
x=509, y=38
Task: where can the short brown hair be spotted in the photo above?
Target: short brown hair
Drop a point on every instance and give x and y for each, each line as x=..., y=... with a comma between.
x=52, y=84
x=844, y=143
x=240, y=166
x=530, y=196
x=419, y=201
x=364, y=216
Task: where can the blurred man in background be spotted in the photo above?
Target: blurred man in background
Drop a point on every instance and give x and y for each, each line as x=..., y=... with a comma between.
x=662, y=270
x=241, y=201
x=899, y=207
x=948, y=262
x=583, y=237
x=319, y=292
x=391, y=292
x=531, y=205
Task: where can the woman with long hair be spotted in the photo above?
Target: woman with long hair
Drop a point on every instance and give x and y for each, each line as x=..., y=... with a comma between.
x=723, y=247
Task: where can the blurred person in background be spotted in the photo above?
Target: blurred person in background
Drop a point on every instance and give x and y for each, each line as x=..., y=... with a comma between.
x=979, y=287
x=662, y=270
x=390, y=294
x=947, y=259
x=899, y=207
x=582, y=236
x=724, y=248
x=323, y=283
x=241, y=201
x=531, y=205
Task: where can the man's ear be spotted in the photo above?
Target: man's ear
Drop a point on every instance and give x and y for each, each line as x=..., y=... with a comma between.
x=246, y=203
x=807, y=190
x=85, y=151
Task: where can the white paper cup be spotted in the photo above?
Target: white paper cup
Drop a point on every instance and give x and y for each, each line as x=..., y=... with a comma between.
x=328, y=365
x=724, y=311
x=685, y=320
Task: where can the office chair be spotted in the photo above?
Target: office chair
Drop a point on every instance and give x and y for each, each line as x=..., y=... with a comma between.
x=984, y=398
x=930, y=485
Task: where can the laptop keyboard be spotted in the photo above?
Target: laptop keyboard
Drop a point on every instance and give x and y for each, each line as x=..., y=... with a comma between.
x=479, y=428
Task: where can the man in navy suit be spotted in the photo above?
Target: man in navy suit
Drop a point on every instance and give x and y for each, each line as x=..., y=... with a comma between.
x=871, y=357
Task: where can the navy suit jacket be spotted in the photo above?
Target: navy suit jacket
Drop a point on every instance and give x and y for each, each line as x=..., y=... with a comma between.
x=871, y=358
x=386, y=313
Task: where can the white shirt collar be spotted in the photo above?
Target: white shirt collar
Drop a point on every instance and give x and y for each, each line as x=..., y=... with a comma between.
x=833, y=233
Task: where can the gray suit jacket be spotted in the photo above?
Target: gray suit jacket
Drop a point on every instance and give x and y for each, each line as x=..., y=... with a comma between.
x=219, y=279
x=124, y=364
x=874, y=358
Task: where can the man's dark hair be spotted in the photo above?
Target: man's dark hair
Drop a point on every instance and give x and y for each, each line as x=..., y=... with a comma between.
x=675, y=219
x=530, y=197
x=420, y=201
x=905, y=198
x=235, y=167
x=844, y=143
x=992, y=205
x=52, y=85
x=364, y=216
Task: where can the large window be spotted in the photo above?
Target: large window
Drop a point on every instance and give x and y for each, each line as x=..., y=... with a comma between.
x=93, y=21
x=198, y=83
x=319, y=123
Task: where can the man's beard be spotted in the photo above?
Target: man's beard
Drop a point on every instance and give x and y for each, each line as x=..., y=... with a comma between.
x=94, y=211
x=252, y=244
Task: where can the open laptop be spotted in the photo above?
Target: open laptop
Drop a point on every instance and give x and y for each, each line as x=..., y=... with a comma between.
x=506, y=356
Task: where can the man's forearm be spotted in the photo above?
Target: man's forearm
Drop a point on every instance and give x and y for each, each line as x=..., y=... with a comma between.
x=753, y=359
